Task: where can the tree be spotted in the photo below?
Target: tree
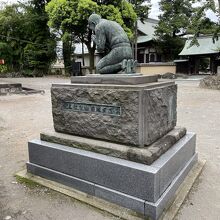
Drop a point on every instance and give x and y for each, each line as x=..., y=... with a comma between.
x=71, y=17
x=206, y=26
x=201, y=24
x=25, y=35
x=174, y=20
x=141, y=9
x=6, y=53
x=11, y=26
x=40, y=53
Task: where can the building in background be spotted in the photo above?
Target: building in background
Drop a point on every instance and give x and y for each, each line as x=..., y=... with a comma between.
x=150, y=61
x=203, y=58
x=146, y=45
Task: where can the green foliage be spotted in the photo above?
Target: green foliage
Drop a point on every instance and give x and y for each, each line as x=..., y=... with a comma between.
x=175, y=17
x=3, y=69
x=71, y=16
x=173, y=24
x=207, y=26
x=201, y=24
x=141, y=8
x=28, y=182
x=25, y=39
x=38, y=55
x=180, y=18
x=170, y=47
x=28, y=73
x=6, y=52
x=11, y=26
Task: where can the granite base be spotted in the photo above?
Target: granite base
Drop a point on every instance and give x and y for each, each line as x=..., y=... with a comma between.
x=142, y=188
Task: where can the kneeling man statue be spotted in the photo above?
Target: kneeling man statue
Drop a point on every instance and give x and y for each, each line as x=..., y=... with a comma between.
x=111, y=40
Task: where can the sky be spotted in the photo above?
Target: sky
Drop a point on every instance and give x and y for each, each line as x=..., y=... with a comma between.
x=153, y=13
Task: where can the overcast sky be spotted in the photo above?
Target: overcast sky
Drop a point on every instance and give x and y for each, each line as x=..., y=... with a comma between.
x=153, y=13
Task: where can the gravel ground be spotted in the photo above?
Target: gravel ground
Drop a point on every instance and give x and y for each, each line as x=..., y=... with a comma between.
x=23, y=117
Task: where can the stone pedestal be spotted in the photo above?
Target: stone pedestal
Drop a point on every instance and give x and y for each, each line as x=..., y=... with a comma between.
x=130, y=114
x=145, y=189
x=115, y=138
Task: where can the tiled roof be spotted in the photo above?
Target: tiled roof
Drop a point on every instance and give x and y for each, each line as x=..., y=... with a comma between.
x=206, y=46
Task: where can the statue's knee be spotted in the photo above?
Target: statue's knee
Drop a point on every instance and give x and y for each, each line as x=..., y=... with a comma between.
x=98, y=68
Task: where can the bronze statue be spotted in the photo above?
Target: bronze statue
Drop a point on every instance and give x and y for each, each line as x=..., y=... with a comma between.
x=113, y=42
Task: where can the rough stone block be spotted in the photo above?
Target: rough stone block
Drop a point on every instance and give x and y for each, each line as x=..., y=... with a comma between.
x=159, y=112
x=146, y=155
x=128, y=114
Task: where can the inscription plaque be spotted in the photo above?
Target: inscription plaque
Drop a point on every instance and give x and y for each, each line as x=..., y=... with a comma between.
x=93, y=108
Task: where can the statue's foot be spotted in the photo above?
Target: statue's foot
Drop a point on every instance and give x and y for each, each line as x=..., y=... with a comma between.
x=128, y=66
x=134, y=66
x=129, y=63
x=124, y=65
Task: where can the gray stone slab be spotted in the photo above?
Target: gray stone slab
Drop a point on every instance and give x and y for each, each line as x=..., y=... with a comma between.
x=62, y=178
x=135, y=179
x=119, y=114
x=121, y=199
x=149, y=209
x=119, y=79
x=10, y=85
x=146, y=155
x=154, y=210
x=170, y=165
x=104, y=170
x=171, y=162
x=10, y=88
x=88, y=187
x=114, y=86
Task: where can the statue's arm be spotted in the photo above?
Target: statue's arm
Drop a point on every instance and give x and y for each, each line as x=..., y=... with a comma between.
x=100, y=40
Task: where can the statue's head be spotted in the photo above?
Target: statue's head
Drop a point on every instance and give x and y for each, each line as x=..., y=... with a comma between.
x=93, y=20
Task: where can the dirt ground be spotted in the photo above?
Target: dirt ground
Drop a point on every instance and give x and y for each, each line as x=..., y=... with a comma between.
x=23, y=117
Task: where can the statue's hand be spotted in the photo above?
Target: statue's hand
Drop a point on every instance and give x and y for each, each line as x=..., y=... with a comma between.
x=94, y=38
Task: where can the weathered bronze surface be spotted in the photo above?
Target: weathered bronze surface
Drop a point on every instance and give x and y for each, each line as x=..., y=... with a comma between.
x=113, y=43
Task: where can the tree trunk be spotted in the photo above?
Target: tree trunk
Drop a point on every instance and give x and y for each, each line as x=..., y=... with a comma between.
x=83, y=54
x=91, y=58
x=91, y=50
x=135, y=56
x=132, y=47
x=67, y=56
x=83, y=49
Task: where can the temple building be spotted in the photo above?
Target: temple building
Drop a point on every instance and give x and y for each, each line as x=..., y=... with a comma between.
x=203, y=58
